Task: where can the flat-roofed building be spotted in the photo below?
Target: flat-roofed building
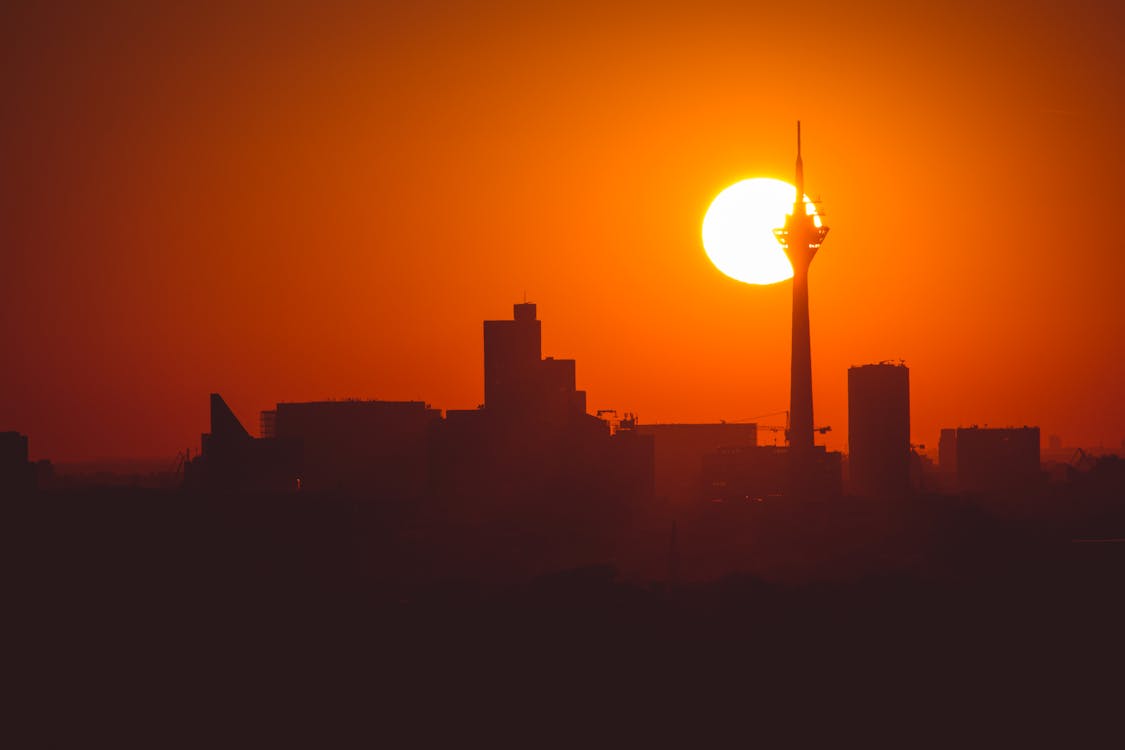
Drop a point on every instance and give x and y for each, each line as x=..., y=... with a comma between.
x=995, y=460
x=381, y=447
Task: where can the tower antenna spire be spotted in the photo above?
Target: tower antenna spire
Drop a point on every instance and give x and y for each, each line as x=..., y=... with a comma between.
x=800, y=169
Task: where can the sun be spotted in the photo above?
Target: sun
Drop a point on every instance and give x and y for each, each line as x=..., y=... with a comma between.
x=738, y=230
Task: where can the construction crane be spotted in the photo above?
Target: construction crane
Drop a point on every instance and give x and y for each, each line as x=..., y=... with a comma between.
x=1082, y=460
x=775, y=429
x=626, y=421
x=182, y=459
x=778, y=428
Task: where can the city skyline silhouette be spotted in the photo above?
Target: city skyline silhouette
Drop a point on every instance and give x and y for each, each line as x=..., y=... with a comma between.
x=236, y=203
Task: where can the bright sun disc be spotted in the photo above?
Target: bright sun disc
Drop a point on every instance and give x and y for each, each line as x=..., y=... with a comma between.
x=738, y=230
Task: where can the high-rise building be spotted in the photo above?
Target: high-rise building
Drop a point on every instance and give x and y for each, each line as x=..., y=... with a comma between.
x=879, y=429
x=512, y=352
x=533, y=441
x=517, y=380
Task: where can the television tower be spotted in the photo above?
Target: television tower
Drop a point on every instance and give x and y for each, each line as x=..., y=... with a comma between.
x=801, y=238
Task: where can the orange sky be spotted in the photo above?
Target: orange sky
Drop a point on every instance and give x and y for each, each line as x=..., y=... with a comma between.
x=290, y=201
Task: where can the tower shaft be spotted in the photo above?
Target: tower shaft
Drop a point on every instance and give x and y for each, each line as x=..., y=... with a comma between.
x=800, y=367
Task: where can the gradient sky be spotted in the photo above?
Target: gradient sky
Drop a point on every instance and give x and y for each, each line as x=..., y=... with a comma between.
x=299, y=201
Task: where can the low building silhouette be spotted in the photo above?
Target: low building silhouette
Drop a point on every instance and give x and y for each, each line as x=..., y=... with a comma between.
x=765, y=472
x=680, y=449
x=991, y=460
x=377, y=447
x=723, y=462
x=231, y=458
x=947, y=453
x=17, y=473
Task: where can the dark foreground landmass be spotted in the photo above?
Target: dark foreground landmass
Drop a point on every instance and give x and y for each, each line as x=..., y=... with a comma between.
x=131, y=603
